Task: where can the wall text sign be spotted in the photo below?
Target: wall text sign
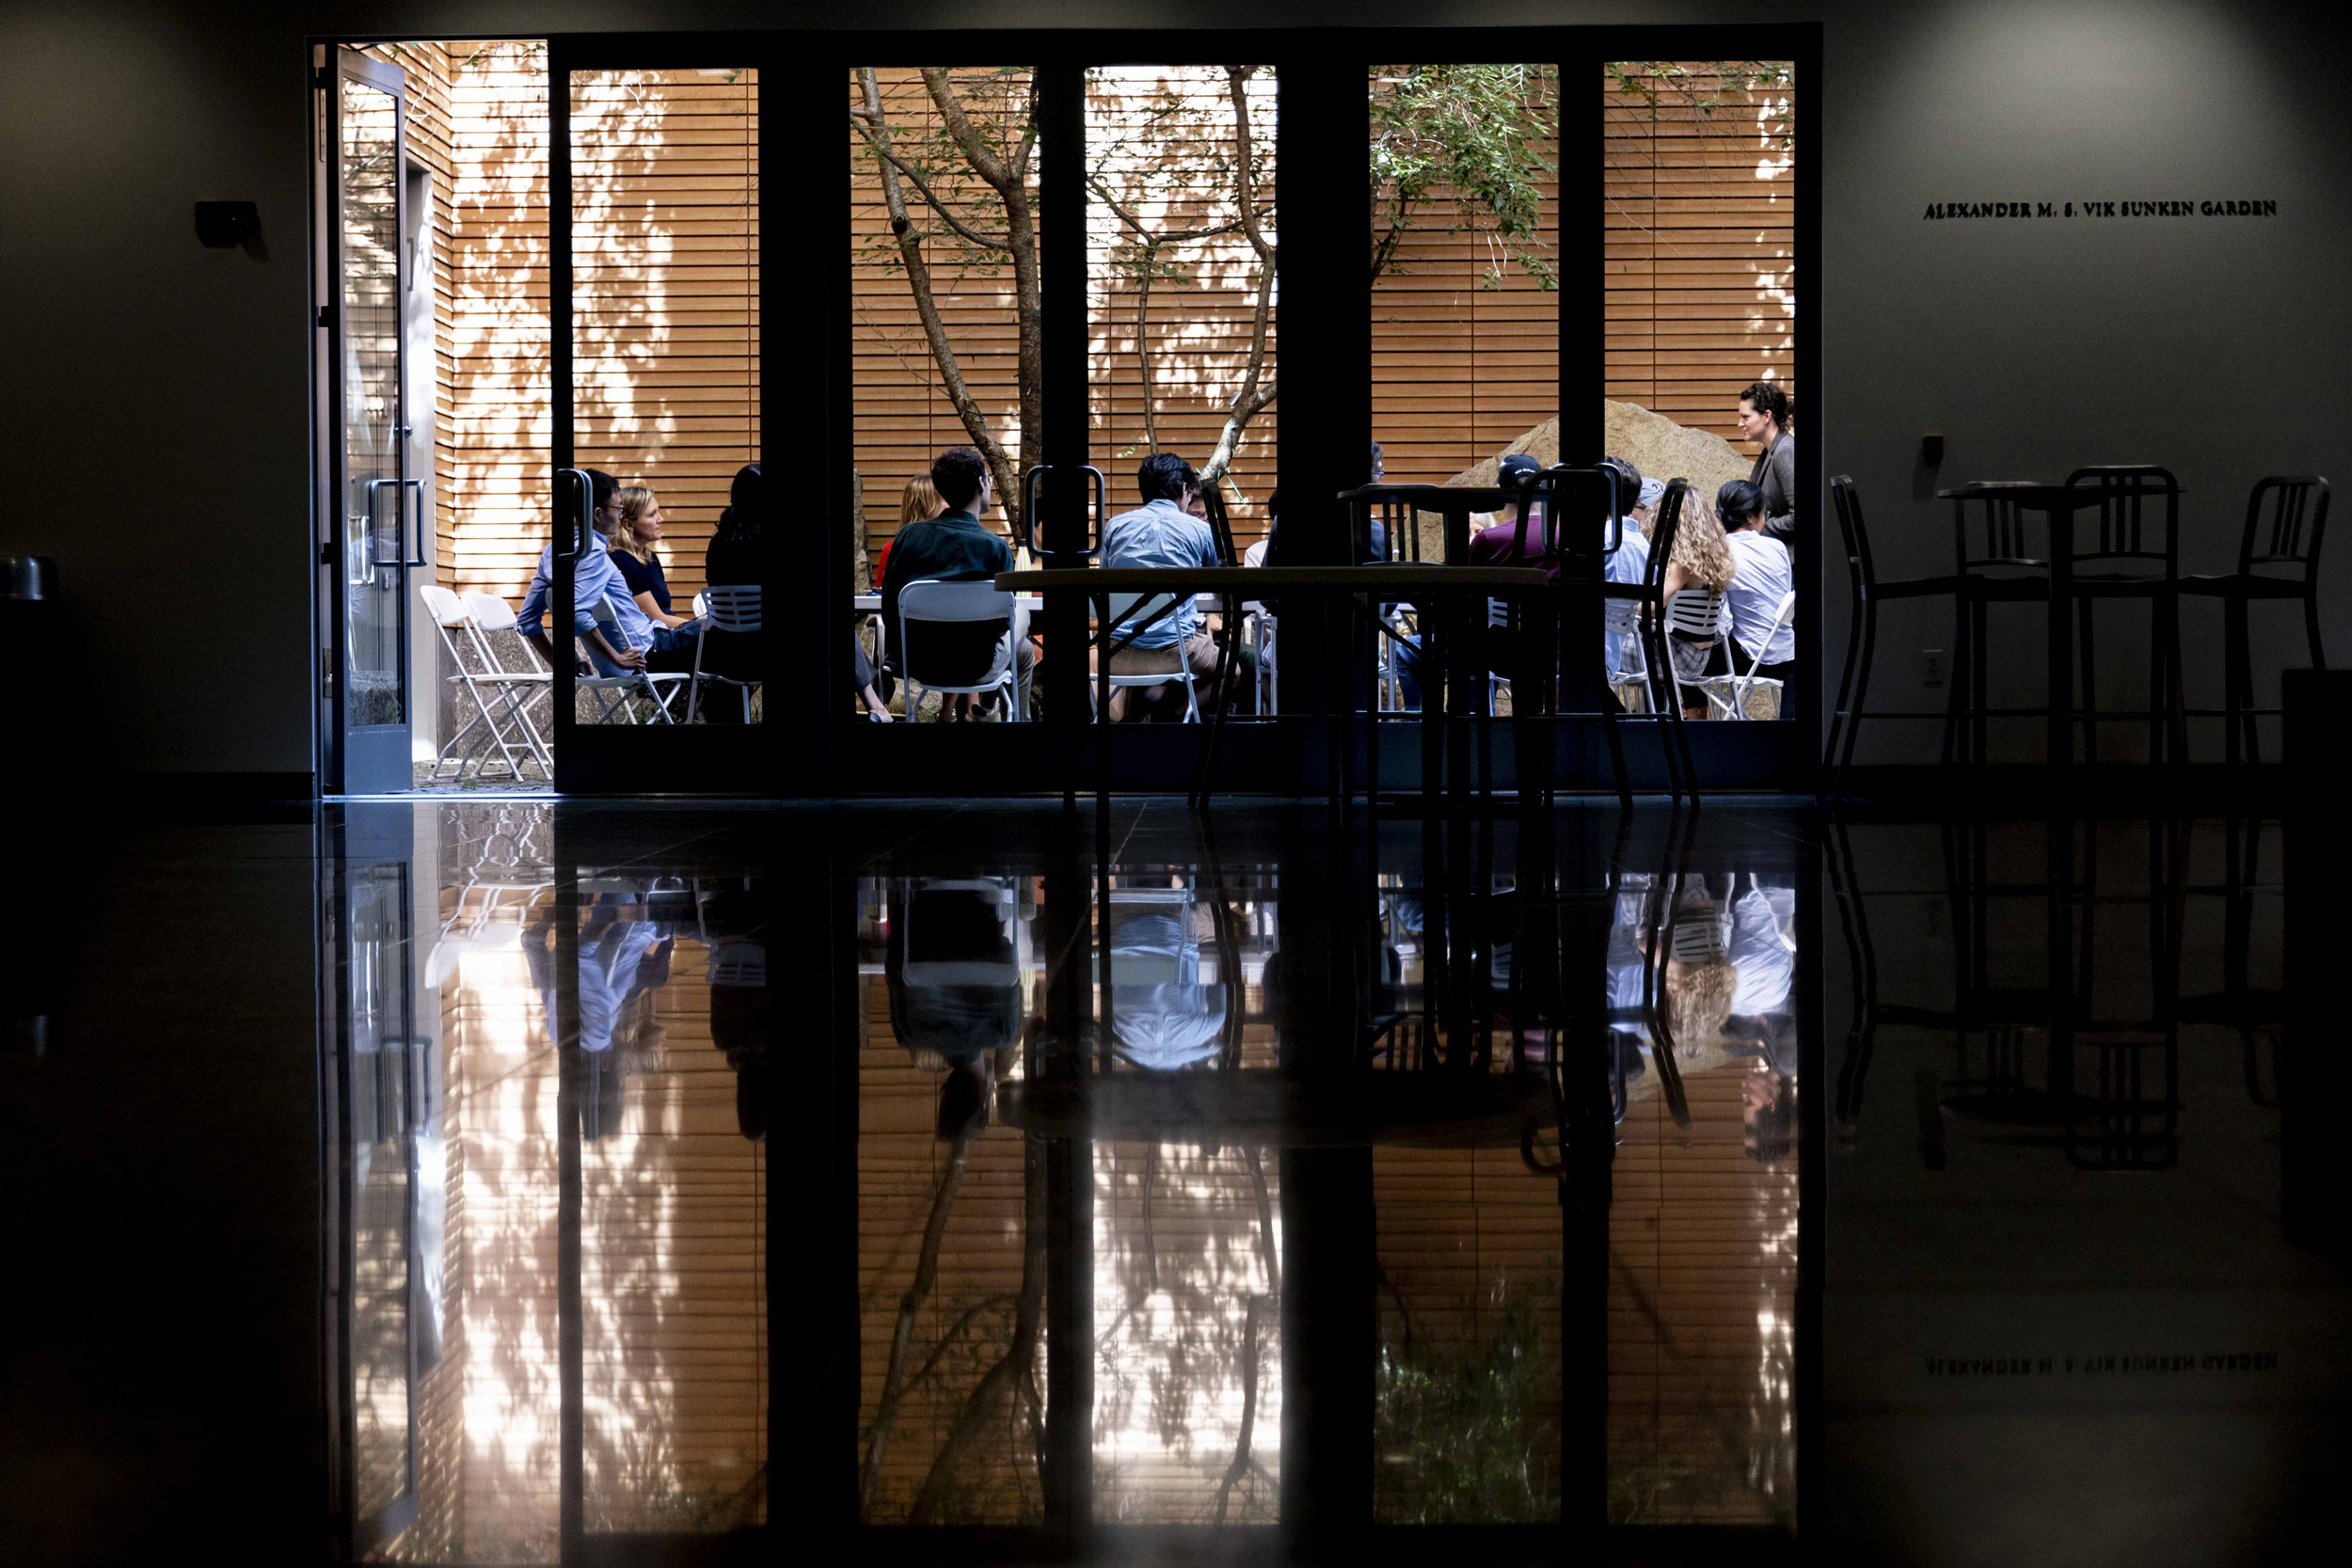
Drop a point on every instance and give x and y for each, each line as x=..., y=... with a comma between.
x=1941, y=212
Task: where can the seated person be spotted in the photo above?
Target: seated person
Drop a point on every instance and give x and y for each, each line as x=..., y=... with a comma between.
x=1761, y=577
x=598, y=586
x=1162, y=1016
x=918, y=503
x=952, y=972
x=955, y=547
x=635, y=535
x=1163, y=532
x=1701, y=563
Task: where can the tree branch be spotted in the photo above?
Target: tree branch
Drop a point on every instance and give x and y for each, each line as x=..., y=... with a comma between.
x=917, y=1292
x=931, y=197
x=927, y=308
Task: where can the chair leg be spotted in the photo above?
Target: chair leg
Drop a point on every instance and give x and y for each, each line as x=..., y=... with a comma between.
x=2088, y=679
x=1837, y=720
x=1977, y=736
x=2176, y=681
x=1616, y=754
x=1866, y=645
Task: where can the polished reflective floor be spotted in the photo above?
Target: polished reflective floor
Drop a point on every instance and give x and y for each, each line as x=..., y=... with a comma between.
x=497, y=1183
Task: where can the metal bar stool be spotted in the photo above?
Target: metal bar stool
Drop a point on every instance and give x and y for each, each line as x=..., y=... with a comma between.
x=2285, y=517
x=2002, y=570
x=1862, y=633
x=2127, y=565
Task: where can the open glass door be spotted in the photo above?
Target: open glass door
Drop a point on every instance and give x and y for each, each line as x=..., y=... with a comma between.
x=659, y=555
x=371, y=504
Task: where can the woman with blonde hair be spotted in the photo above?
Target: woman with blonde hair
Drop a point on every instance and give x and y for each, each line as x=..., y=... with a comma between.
x=918, y=503
x=1701, y=563
x=634, y=537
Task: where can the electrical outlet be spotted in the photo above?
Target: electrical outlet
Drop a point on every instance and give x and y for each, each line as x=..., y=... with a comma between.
x=1931, y=669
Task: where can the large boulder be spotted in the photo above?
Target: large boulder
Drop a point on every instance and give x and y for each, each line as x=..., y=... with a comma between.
x=1651, y=442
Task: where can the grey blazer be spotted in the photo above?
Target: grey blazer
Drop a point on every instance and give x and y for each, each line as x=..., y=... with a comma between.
x=1775, y=474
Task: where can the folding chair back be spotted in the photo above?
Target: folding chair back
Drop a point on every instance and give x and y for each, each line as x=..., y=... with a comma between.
x=724, y=607
x=1127, y=609
x=958, y=603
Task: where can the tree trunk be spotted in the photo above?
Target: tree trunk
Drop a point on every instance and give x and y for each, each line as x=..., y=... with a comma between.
x=919, y=284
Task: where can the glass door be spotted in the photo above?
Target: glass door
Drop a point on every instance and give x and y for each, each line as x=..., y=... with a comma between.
x=659, y=561
x=371, y=512
x=383, y=1286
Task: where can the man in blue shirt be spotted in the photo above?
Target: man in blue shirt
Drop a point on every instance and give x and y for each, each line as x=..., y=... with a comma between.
x=645, y=645
x=1164, y=533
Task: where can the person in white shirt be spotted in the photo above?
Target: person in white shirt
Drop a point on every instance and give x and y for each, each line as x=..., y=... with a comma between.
x=1762, y=577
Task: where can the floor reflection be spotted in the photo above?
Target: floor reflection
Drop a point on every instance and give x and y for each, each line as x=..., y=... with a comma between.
x=1170, y=1165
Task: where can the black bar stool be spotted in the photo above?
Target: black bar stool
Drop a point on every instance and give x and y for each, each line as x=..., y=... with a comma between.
x=2285, y=519
x=1862, y=632
x=2002, y=570
x=2129, y=566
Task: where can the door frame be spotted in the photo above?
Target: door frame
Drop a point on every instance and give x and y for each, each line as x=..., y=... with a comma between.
x=331, y=64
x=810, y=621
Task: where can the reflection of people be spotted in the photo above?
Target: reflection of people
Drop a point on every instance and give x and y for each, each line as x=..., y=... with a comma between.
x=1768, y=1113
x=1760, y=579
x=623, y=958
x=1162, y=1016
x=1764, y=419
x=740, y=1023
x=955, y=986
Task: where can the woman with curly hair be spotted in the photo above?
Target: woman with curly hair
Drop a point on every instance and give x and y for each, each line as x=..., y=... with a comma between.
x=1701, y=563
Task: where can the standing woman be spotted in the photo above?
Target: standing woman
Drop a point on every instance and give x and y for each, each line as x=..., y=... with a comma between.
x=1764, y=418
x=1701, y=563
x=634, y=540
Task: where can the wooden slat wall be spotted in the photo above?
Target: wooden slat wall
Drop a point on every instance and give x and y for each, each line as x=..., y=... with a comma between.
x=1199, y=327
x=494, y=482
x=1700, y=261
x=1460, y=369
x=1700, y=285
x=1702, y=1316
x=665, y=305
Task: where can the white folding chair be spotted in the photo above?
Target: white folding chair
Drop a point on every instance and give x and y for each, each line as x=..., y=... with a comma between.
x=492, y=688
x=1621, y=639
x=947, y=603
x=726, y=607
x=612, y=692
x=1125, y=607
x=1696, y=615
x=1260, y=624
x=1728, y=694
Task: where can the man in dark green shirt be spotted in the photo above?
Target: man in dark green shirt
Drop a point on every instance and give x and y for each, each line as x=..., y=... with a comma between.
x=954, y=547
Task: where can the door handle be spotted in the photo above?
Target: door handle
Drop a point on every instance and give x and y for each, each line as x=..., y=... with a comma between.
x=573, y=540
x=1029, y=488
x=375, y=562
x=420, y=559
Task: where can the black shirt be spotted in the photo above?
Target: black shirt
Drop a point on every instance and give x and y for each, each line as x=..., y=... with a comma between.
x=952, y=548
x=644, y=576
